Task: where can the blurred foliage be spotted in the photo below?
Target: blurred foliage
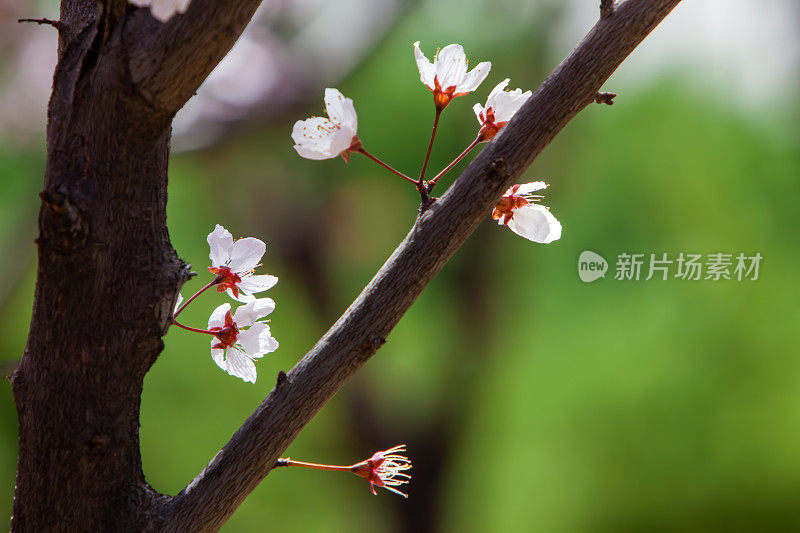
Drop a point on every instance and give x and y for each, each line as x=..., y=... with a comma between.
x=543, y=403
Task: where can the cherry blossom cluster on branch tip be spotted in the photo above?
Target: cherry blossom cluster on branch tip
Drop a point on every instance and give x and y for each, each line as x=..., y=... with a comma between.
x=241, y=337
x=448, y=77
x=163, y=10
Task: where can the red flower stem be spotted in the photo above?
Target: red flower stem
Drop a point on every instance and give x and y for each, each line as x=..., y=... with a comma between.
x=289, y=462
x=187, y=302
x=189, y=328
x=469, y=148
x=430, y=146
x=361, y=150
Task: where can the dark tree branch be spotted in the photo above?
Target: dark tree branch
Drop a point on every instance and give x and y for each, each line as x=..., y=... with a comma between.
x=250, y=454
x=168, y=62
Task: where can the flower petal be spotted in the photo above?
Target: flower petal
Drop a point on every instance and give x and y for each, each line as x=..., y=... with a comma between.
x=257, y=283
x=246, y=253
x=244, y=297
x=506, y=103
x=244, y=315
x=498, y=89
x=218, y=355
x=424, y=66
x=250, y=341
x=450, y=66
x=313, y=153
x=238, y=364
x=479, y=110
x=341, y=110
x=535, y=223
x=341, y=141
x=473, y=79
x=247, y=314
x=528, y=188
x=263, y=306
x=217, y=318
x=267, y=342
x=220, y=242
x=313, y=138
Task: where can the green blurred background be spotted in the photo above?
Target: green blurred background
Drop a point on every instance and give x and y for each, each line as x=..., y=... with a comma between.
x=530, y=401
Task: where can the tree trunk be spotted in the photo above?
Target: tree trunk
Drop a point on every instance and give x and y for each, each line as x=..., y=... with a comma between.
x=107, y=279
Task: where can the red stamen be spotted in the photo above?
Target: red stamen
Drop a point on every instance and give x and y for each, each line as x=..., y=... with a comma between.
x=227, y=279
x=228, y=334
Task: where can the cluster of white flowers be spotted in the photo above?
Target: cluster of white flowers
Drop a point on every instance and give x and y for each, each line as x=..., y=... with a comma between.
x=243, y=336
x=447, y=77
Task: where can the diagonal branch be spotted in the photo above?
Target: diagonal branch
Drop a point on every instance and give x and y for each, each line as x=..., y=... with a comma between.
x=251, y=453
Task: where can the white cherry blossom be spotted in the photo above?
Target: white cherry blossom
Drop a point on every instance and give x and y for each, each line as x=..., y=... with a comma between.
x=242, y=337
x=501, y=105
x=518, y=210
x=163, y=10
x=326, y=138
x=447, y=76
x=233, y=262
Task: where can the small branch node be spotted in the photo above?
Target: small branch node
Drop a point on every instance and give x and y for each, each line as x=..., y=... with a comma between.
x=606, y=8
x=54, y=23
x=283, y=379
x=425, y=204
x=99, y=440
x=283, y=461
x=378, y=341
x=605, y=98
x=497, y=169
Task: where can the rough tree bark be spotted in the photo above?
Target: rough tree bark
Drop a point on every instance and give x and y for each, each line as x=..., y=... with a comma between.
x=108, y=276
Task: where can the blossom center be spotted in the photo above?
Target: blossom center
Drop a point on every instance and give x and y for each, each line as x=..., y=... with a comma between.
x=506, y=205
x=227, y=334
x=442, y=97
x=227, y=279
x=489, y=128
x=369, y=469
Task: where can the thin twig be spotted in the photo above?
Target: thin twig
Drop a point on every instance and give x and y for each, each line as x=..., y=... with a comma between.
x=54, y=23
x=430, y=145
x=189, y=328
x=195, y=295
x=361, y=150
x=421, y=185
x=468, y=149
